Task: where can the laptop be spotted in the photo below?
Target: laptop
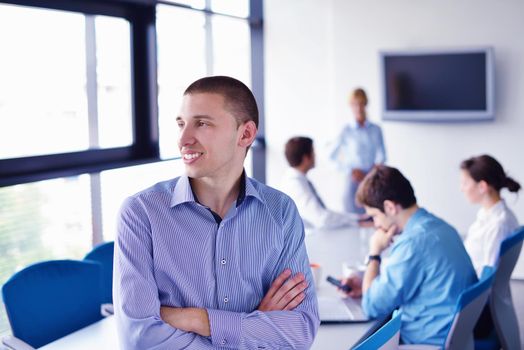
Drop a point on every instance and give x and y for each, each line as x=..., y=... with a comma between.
x=334, y=309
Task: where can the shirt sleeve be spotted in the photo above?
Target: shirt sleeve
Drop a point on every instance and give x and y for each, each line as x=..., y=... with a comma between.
x=339, y=153
x=380, y=157
x=293, y=329
x=397, y=282
x=135, y=293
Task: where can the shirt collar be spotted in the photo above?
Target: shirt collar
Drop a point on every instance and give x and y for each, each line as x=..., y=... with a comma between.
x=183, y=192
x=414, y=219
x=356, y=125
x=295, y=172
x=499, y=207
x=251, y=191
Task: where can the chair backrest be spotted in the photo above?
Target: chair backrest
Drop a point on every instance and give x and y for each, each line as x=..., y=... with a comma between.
x=51, y=299
x=386, y=337
x=501, y=303
x=103, y=254
x=470, y=304
x=509, y=254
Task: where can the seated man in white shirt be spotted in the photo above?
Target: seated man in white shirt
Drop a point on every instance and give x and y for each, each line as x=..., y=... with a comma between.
x=301, y=158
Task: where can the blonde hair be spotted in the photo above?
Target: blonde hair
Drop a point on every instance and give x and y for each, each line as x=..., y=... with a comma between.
x=359, y=94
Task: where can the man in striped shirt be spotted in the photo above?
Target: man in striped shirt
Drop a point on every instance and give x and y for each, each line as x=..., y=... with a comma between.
x=213, y=259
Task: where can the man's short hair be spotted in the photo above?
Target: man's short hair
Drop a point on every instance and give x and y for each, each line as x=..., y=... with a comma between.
x=238, y=99
x=297, y=148
x=385, y=183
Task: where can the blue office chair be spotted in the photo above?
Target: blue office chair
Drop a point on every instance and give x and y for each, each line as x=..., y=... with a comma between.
x=385, y=338
x=501, y=303
x=51, y=299
x=103, y=254
x=467, y=312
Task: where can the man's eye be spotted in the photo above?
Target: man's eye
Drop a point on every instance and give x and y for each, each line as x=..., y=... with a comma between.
x=201, y=124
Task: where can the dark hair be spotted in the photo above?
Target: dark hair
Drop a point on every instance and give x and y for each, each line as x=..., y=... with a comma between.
x=238, y=99
x=297, y=148
x=486, y=168
x=385, y=183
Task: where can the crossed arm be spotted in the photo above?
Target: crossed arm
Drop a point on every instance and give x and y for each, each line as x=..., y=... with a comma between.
x=286, y=293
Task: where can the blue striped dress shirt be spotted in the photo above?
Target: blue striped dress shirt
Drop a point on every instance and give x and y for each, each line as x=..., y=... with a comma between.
x=171, y=251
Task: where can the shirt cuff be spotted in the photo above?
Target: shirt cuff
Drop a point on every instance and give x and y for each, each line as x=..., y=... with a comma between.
x=226, y=328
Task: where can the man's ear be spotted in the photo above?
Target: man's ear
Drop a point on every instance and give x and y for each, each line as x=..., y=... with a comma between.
x=305, y=158
x=390, y=208
x=248, y=134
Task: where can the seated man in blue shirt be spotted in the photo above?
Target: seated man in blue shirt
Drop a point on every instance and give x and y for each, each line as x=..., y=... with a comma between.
x=427, y=267
x=205, y=260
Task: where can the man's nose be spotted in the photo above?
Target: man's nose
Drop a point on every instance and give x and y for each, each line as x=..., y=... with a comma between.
x=185, y=137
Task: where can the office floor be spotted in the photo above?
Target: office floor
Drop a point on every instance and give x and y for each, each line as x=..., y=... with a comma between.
x=517, y=292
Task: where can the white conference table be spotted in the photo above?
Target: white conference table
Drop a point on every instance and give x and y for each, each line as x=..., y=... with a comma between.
x=329, y=248
x=100, y=336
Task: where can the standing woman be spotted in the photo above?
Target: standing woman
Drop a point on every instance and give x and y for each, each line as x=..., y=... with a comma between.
x=358, y=148
x=482, y=178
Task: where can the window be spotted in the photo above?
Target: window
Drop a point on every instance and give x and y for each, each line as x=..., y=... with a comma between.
x=193, y=44
x=113, y=74
x=231, y=57
x=181, y=60
x=42, y=112
x=239, y=8
x=45, y=87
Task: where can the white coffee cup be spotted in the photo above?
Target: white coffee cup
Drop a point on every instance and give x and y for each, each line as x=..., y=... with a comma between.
x=316, y=271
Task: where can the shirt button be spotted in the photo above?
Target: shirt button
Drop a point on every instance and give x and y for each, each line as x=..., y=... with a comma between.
x=226, y=299
x=223, y=342
x=223, y=261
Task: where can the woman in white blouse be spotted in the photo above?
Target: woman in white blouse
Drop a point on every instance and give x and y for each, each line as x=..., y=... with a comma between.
x=482, y=178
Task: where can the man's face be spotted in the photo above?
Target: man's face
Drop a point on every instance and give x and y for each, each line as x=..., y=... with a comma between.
x=380, y=219
x=208, y=136
x=310, y=160
x=358, y=107
x=471, y=189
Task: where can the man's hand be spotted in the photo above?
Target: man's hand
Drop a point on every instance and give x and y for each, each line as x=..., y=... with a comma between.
x=355, y=282
x=381, y=239
x=285, y=293
x=188, y=319
x=357, y=175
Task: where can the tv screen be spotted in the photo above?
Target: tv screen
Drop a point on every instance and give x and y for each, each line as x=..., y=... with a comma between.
x=438, y=85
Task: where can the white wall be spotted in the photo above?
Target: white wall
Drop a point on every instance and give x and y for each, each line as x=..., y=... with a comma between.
x=317, y=51
x=299, y=76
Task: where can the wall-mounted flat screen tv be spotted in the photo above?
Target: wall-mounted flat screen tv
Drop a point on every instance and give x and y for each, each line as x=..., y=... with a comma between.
x=438, y=85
